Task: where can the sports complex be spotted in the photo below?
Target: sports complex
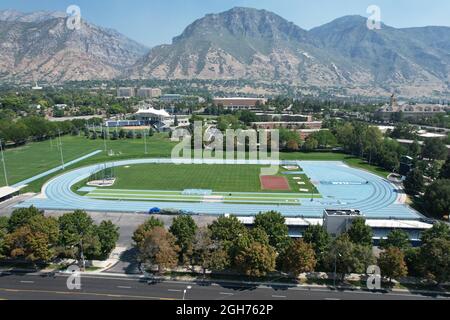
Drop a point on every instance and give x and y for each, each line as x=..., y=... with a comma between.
x=300, y=189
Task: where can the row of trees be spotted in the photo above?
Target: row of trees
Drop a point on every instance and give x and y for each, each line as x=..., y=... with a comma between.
x=227, y=245
x=37, y=129
x=116, y=135
x=30, y=236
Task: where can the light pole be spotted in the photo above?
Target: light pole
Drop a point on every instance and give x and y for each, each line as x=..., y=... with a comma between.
x=185, y=291
x=145, y=142
x=335, y=268
x=4, y=163
x=60, y=150
x=104, y=136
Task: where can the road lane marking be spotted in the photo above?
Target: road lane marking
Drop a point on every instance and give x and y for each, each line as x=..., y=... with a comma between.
x=123, y=287
x=332, y=299
x=174, y=290
x=281, y=297
x=226, y=293
x=23, y=281
x=85, y=294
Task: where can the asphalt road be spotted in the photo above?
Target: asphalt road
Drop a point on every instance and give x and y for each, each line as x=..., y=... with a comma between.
x=38, y=287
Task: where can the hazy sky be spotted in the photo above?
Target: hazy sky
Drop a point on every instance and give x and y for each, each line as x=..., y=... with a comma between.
x=154, y=22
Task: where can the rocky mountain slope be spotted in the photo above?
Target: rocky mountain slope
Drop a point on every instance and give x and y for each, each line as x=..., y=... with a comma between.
x=241, y=43
x=257, y=44
x=40, y=47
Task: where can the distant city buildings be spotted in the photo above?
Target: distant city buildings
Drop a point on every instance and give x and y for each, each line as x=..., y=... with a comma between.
x=129, y=92
x=398, y=110
x=126, y=92
x=239, y=103
x=149, y=93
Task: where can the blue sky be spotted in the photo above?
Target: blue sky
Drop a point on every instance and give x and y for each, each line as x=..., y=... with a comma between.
x=154, y=22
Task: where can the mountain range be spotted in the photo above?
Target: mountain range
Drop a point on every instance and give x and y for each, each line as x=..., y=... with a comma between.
x=241, y=43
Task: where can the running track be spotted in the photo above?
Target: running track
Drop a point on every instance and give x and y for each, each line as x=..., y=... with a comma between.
x=342, y=187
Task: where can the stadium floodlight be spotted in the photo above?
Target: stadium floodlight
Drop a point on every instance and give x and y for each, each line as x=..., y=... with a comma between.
x=60, y=150
x=104, y=136
x=4, y=163
x=145, y=142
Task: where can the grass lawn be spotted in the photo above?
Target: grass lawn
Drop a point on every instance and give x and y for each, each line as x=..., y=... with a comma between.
x=219, y=178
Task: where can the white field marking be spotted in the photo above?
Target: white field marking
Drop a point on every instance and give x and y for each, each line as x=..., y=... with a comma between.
x=23, y=281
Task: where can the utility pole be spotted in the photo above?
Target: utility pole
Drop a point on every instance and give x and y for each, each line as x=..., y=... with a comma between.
x=60, y=150
x=4, y=163
x=104, y=136
x=145, y=142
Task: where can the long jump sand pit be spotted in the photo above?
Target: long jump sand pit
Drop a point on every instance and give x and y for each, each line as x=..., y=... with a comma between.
x=274, y=183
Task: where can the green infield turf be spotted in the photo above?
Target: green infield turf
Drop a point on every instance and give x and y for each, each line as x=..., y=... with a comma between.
x=219, y=178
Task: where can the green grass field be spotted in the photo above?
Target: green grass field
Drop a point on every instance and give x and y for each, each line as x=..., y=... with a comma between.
x=37, y=157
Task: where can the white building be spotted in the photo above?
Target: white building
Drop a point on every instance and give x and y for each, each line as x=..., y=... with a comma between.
x=160, y=119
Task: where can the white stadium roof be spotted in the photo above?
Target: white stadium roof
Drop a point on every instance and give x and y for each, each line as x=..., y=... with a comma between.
x=155, y=112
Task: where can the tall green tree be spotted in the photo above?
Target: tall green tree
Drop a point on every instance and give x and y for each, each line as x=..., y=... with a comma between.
x=77, y=235
x=299, y=257
x=209, y=253
x=437, y=198
x=274, y=224
x=435, y=255
x=360, y=233
x=347, y=256
x=159, y=248
x=392, y=264
x=227, y=229
x=318, y=237
x=184, y=230
x=445, y=170
x=439, y=230
x=257, y=260
x=396, y=239
x=3, y=233
x=414, y=182
x=108, y=234
x=21, y=217
x=138, y=235
x=434, y=149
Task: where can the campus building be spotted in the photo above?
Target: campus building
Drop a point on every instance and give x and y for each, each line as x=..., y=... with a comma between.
x=161, y=120
x=380, y=227
x=149, y=93
x=408, y=111
x=239, y=103
x=126, y=92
